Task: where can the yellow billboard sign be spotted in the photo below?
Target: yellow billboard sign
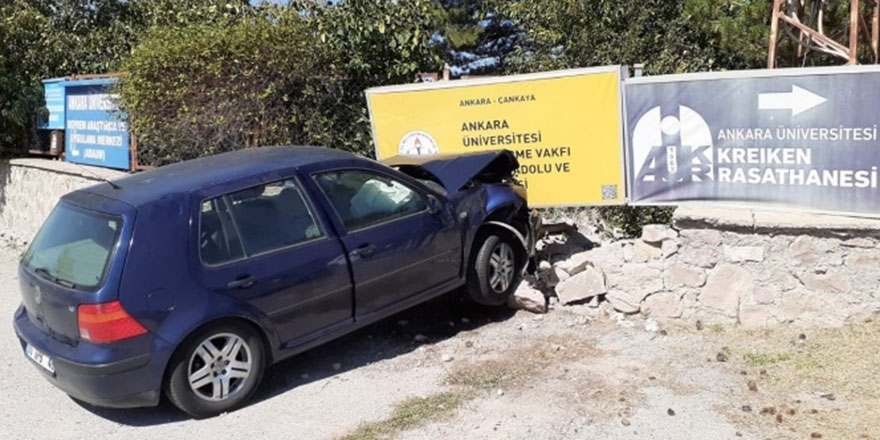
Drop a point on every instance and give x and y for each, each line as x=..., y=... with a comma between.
x=565, y=127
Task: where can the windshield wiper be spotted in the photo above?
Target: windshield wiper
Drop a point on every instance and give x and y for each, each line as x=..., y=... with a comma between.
x=41, y=271
x=44, y=273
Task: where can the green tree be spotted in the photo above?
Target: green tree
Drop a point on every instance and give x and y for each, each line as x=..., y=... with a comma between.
x=577, y=33
x=477, y=40
x=741, y=30
x=278, y=76
x=51, y=38
x=384, y=39
x=208, y=88
x=20, y=29
x=43, y=38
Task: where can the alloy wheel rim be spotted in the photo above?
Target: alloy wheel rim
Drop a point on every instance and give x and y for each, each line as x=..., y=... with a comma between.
x=501, y=267
x=220, y=367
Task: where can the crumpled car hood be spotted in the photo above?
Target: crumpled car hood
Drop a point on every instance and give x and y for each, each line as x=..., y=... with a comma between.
x=455, y=170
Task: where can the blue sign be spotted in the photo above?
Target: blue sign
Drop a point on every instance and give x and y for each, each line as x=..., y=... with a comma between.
x=54, y=97
x=96, y=133
x=803, y=138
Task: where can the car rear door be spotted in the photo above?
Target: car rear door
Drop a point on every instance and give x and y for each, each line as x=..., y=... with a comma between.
x=266, y=244
x=401, y=240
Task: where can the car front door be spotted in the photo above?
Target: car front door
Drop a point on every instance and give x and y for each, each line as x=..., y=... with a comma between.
x=401, y=241
x=266, y=245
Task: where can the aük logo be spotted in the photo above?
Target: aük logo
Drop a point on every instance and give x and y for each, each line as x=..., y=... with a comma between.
x=672, y=147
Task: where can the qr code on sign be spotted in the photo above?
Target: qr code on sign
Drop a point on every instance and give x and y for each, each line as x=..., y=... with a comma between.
x=609, y=192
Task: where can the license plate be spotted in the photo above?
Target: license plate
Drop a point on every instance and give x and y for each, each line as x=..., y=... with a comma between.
x=40, y=358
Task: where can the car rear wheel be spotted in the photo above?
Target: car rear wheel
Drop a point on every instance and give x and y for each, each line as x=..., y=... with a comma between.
x=216, y=370
x=494, y=274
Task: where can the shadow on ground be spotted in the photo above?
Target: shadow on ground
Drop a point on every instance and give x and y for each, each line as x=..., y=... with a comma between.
x=438, y=319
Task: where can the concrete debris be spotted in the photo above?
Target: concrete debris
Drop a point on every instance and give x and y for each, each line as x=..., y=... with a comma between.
x=724, y=288
x=644, y=252
x=738, y=254
x=655, y=234
x=709, y=237
x=583, y=286
x=831, y=282
x=528, y=298
x=717, y=271
x=669, y=248
x=575, y=264
x=663, y=305
x=679, y=275
x=631, y=285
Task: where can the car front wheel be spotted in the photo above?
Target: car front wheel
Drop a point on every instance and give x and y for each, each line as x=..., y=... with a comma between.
x=494, y=274
x=216, y=370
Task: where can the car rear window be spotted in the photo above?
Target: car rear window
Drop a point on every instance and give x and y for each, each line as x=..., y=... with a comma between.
x=73, y=247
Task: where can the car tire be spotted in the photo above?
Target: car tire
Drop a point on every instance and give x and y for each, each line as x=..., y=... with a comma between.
x=216, y=370
x=494, y=273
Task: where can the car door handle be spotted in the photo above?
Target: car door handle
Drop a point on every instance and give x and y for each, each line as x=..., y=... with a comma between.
x=242, y=282
x=364, y=250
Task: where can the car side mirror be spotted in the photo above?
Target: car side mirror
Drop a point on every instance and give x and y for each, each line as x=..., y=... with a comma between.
x=434, y=204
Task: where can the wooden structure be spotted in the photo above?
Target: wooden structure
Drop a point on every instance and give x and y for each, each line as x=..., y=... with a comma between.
x=802, y=21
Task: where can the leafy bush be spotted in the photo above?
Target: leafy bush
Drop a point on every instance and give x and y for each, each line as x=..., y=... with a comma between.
x=282, y=77
x=630, y=219
x=205, y=89
x=53, y=38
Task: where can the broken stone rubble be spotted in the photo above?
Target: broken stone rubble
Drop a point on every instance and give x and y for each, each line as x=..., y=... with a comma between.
x=527, y=298
x=722, y=273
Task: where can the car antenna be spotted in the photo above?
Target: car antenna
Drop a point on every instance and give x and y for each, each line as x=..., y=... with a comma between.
x=101, y=178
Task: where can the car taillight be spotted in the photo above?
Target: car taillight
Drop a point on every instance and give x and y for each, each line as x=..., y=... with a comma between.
x=106, y=322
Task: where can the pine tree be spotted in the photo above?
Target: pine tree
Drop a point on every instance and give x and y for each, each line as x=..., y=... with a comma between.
x=478, y=41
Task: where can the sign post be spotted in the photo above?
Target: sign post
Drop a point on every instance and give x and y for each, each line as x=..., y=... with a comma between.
x=54, y=97
x=96, y=133
x=804, y=138
x=565, y=128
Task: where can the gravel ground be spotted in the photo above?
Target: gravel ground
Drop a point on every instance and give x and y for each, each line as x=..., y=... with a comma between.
x=573, y=373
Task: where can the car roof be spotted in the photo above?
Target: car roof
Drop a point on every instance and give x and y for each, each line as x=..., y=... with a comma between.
x=185, y=177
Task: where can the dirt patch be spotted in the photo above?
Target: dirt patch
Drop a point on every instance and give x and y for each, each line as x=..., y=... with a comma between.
x=800, y=383
x=514, y=368
x=410, y=413
x=510, y=371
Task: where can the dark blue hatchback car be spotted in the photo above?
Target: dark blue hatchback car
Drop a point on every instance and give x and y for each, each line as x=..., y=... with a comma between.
x=190, y=279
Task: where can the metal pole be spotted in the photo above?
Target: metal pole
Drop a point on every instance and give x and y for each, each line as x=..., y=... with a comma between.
x=854, y=33
x=638, y=70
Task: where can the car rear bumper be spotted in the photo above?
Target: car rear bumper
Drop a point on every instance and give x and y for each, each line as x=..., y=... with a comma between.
x=120, y=375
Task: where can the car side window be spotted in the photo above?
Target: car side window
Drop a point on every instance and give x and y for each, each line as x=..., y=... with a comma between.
x=363, y=198
x=218, y=239
x=255, y=221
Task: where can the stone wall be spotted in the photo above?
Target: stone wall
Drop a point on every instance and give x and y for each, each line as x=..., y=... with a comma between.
x=29, y=188
x=752, y=267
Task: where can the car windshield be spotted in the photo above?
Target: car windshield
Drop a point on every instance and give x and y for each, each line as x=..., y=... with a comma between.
x=73, y=247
